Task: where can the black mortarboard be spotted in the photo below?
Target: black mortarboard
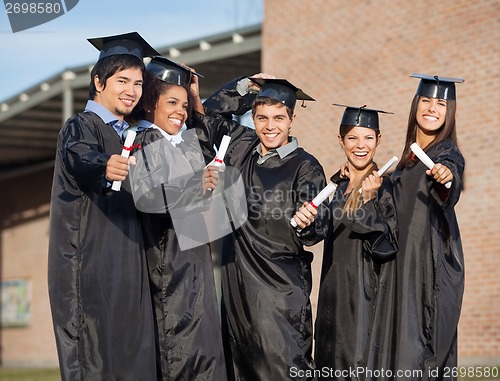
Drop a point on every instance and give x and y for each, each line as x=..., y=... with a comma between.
x=361, y=116
x=281, y=90
x=127, y=43
x=170, y=72
x=436, y=87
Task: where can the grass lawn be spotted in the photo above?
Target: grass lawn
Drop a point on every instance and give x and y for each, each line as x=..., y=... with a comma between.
x=29, y=374
x=32, y=374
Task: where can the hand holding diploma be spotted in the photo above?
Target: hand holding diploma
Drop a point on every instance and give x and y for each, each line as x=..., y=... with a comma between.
x=127, y=147
x=384, y=168
x=210, y=178
x=439, y=172
x=210, y=174
x=308, y=210
x=224, y=144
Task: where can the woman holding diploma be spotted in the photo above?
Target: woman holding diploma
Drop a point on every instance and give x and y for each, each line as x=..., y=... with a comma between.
x=171, y=186
x=361, y=242
x=430, y=266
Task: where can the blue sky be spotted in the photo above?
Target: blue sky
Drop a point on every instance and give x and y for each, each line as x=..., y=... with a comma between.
x=31, y=56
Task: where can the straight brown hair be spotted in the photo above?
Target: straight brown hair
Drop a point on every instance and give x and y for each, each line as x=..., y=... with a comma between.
x=447, y=132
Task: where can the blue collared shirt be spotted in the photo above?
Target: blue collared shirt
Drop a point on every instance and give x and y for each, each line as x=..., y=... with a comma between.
x=107, y=117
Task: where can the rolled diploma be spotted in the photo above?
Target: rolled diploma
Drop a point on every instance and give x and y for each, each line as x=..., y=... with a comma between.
x=127, y=147
x=425, y=159
x=386, y=166
x=224, y=144
x=219, y=158
x=322, y=196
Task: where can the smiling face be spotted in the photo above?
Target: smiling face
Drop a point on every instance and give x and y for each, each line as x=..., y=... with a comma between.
x=121, y=92
x=431, y=116
x=359, y=145
x=171, y=109
x=272, y=125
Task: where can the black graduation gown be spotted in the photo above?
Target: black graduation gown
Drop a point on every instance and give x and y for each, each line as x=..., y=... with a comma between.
x=266, y=272
x=188, y=332
x=97, y=273
x=430, y=267
x=353, y=320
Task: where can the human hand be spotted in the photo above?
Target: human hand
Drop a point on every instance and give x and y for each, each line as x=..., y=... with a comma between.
x=254, y=87
x=117, y=168
x=440, y=173
x=370, y=186
x=210, y=178
x=195, y=83
x=305, y=215
x=344, y=170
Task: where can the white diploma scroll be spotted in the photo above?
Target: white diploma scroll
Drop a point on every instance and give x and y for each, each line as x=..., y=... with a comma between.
x=385, y=167
x=224, y=144
x=425, y=159
x=322, y=196
x=218, y=161
x=127, y=147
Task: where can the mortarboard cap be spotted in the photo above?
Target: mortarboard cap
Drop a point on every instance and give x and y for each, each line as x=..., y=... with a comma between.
x=127, y=43
x=281, y=90
x=361, y=116
x=170, y=72
x=436, y=87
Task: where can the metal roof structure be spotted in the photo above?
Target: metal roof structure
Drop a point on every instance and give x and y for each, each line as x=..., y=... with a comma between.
x=31, y=120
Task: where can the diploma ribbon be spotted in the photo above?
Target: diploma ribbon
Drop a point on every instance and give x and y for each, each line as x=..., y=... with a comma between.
x=127, y=147
x=322, y=196
x=218, y=160
x=130, y=148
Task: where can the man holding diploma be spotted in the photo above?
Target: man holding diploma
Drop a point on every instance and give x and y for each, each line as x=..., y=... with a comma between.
x=97, y=274
x=266, y=272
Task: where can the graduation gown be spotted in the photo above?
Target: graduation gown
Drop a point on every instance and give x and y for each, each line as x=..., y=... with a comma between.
x=97, y=273
x=188, y=332
x=266, y=272
x=352, y=324
x=430, y=266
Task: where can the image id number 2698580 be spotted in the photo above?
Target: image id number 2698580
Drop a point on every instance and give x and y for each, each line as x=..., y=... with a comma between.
x=33, y=8
x=471, y=372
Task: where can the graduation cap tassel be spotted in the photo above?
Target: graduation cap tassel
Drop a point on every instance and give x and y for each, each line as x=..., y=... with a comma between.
x=303, y=105
x=359, y=113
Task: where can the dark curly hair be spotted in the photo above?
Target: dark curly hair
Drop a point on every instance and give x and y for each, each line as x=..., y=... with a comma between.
x=151, y=90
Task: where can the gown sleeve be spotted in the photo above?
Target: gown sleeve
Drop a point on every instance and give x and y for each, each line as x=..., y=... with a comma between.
x=227, y=101
x=448, y=154
x=376, y=221
x=158, y=189
x=83, y=156
x=310, y=182
x=218, y=121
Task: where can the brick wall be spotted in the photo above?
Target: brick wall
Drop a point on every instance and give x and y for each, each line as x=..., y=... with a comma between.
x=24, y=228
x=361, y=52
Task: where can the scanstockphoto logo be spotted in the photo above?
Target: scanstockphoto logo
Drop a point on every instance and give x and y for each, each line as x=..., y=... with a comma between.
x=28, y=14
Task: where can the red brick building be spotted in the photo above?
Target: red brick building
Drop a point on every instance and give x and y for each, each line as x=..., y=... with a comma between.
x=361, y=52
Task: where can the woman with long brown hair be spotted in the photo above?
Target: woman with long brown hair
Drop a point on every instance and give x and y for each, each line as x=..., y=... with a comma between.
x=429, y=265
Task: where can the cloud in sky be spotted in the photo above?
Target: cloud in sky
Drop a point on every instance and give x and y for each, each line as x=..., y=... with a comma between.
x=33, y=55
